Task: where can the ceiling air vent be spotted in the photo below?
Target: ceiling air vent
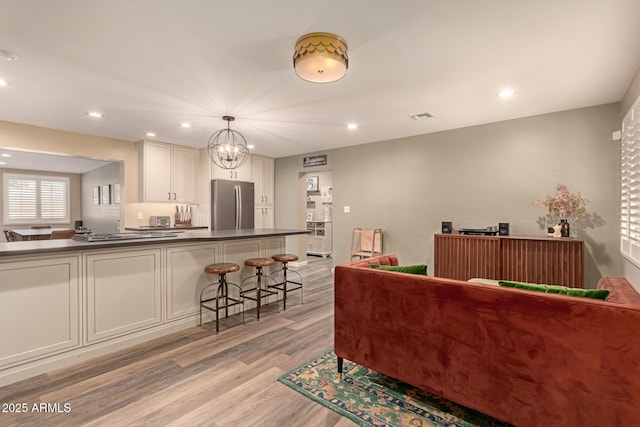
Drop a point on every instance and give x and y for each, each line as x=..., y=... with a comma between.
x=421, y=116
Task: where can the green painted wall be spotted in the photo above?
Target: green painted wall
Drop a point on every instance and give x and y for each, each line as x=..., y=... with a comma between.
x=476, y=177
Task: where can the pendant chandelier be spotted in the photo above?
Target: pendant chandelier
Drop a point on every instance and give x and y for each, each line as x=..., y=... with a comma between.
x=320, y=58
x=227, y=147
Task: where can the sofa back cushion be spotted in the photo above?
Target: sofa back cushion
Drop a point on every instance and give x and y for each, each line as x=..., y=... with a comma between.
x=411, y=269
x=389, y=259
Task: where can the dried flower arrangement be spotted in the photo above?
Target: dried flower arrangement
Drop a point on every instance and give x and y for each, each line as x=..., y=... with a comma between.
x=564, y=204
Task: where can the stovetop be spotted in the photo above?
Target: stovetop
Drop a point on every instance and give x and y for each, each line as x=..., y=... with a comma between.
x=95, y=237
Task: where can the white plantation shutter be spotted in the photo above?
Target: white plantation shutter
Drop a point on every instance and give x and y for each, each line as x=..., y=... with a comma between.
x=36, y=199
x=22, y=199
x=630, y=185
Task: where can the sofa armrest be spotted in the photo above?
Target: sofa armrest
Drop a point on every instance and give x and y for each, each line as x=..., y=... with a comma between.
x=620, y=291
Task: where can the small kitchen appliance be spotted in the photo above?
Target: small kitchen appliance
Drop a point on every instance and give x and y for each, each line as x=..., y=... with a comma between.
x=160, y=221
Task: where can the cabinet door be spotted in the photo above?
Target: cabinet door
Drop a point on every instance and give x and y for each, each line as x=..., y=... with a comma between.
x=186, y=278
x=123, y=293
x=262, y=176
x=256, y=178
x=156, y=176
x=184, y=173
x=267, y=180
x=243, y=173
x=39, y=308
x=264, y=217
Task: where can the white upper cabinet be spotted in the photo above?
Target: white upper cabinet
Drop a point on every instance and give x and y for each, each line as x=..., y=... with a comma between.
x=167, y=173
x=243, y=173
x=262, y=174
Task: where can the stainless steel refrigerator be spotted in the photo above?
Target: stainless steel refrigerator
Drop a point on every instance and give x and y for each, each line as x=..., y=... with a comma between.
x=232, y=204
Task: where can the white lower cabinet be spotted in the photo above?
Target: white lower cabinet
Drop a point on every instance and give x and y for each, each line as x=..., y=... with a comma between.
x=60, y=309
x=123, y=292
x=39, y=308
x=186, y=277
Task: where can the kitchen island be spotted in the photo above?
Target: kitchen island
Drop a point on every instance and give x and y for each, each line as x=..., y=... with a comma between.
x=63, y=301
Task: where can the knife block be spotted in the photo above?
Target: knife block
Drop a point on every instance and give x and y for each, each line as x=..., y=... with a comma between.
x=181, y=222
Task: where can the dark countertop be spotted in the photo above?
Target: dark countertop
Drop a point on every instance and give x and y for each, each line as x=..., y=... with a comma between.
x=174, y=228
x=68, y=245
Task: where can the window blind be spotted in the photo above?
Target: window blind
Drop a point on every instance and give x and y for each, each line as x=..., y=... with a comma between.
x=630, y=185
x=36, y=199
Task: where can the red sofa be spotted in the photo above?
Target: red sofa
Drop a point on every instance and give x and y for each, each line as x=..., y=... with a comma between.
x=524, y=357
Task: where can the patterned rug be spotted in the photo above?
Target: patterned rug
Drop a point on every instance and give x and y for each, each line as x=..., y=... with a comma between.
x=371, y=399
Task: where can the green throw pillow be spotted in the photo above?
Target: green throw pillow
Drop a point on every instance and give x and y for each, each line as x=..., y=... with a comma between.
x=412, y=269
x=554, y=289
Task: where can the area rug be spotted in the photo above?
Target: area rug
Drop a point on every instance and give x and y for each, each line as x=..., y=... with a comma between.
x=371, y=399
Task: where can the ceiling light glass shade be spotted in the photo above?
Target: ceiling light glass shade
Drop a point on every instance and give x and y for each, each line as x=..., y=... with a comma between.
x=227, y=147
x=320, y=58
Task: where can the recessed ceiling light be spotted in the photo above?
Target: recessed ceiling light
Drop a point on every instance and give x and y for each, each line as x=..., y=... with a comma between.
x=506, y=93
x=150, y=134
x=3, y=82
x=251, y=146
x=2, y=163
x=352, y=126
x=185, y=125
x=5, y=155
x=95, y=114
x=7, y=55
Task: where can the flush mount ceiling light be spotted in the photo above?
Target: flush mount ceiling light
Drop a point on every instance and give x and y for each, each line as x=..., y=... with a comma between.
x=227, y=147
x=320, y=58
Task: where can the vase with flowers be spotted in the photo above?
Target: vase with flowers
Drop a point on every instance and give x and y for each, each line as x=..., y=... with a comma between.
x=565, y=206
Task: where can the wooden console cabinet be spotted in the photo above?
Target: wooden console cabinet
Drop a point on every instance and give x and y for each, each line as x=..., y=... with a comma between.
x=552, y=261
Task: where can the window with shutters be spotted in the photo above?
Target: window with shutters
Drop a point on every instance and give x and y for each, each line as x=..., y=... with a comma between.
x=630, y=185
x=36, y=199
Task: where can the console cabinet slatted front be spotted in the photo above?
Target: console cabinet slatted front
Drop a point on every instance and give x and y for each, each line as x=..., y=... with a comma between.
x=553, y=261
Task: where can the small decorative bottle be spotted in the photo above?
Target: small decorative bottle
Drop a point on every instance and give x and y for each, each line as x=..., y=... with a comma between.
x=565, y=230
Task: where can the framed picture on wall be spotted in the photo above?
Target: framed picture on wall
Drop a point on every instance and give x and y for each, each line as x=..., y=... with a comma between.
x=312, y=183
x=95, y=195
x=105, y=195
x=115, y=193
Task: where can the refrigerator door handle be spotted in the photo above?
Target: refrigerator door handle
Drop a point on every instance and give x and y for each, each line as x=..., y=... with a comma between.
x=238, y=207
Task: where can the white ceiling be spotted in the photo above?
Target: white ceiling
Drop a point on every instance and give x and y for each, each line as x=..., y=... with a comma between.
x=150, y=64
x=14, y=159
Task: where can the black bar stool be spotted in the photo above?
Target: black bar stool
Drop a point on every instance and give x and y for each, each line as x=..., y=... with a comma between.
x=222, y=292
x=285, y=285
x=261, y=290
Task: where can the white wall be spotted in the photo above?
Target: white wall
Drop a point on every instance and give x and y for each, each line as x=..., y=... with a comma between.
x=475, y=176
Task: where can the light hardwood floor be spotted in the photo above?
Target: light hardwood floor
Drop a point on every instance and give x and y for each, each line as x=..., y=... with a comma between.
x=195, y=377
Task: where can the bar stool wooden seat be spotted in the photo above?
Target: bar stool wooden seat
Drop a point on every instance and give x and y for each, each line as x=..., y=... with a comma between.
x=282, y=282
x=259, y=290
x=221, y=298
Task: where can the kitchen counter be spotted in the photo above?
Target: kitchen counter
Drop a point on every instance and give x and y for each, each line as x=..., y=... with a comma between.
x=152, y=228
x=67, y=245
x=100, y=296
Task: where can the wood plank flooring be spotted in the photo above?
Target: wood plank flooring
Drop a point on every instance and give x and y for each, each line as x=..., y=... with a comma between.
x=195, y=377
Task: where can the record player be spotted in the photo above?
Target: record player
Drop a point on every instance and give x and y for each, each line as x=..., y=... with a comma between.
x=489, y=231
